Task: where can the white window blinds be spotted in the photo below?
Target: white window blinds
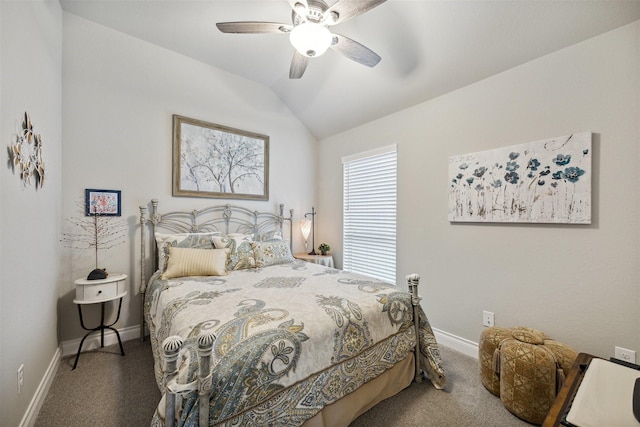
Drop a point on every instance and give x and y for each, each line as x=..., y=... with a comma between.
x=369, y=230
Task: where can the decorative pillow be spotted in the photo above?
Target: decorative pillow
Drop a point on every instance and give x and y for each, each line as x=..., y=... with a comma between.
x=181, y=240
x=240, y=251
x=270, y=235
x=272, y=252
x=185, y=262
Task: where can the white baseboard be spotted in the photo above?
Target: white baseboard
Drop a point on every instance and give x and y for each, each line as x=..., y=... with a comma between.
x=456, y=343
x=29, y=418
x=93, y=341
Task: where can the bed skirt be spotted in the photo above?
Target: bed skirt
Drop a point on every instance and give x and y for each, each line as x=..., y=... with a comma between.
x=351, y=406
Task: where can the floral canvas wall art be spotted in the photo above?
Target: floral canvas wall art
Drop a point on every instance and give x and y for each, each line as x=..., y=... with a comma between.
x=546, y=181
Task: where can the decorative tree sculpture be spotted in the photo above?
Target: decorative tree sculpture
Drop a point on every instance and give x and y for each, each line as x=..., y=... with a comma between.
x=95, y=231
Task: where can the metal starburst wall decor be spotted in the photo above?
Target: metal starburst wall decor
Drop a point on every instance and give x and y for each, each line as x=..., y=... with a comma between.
x=25, y=154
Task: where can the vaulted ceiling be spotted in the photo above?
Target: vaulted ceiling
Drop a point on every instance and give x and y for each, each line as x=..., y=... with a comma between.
x=428, y=47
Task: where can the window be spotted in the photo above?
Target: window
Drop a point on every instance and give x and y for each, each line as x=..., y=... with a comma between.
x=369, y=213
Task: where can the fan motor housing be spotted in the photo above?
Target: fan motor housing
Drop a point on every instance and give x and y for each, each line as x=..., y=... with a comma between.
x=315, y=12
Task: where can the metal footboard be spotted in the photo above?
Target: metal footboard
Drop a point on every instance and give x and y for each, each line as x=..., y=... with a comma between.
x=173, y=344
x=413, y=280
x=174, y=391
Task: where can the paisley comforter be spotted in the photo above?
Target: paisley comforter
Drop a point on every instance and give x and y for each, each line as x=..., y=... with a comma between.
x=291, y=338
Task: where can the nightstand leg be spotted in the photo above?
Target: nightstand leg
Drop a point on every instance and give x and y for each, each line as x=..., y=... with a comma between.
x=100, y=328
x=115, y=330
x=83, y=338
x=119, y=341
x=102, y=325
x=79, y=350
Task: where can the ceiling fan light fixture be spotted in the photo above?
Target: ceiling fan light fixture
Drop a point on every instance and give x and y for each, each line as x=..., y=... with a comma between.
x=311, y=39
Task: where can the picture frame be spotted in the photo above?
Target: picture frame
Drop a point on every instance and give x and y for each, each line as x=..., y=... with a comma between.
x=215, y=161
x=545, y=181
x=102, y=202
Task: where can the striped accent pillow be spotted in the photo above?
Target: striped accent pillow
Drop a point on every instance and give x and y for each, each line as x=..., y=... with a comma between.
x=185, y=262
x=183, y=240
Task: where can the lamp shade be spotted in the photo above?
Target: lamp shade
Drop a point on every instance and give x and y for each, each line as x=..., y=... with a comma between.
x=311, y=39
x=305, y=227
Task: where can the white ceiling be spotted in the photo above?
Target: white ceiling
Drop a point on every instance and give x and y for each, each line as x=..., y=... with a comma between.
x=428, y=47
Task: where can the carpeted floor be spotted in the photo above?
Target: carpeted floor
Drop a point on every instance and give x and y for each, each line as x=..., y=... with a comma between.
x=108, y=390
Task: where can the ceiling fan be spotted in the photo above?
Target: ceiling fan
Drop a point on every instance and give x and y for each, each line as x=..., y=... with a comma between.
x=309, y=32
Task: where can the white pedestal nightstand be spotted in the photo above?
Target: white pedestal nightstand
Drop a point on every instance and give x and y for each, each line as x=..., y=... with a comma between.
x=99, y=291
x=326, y=260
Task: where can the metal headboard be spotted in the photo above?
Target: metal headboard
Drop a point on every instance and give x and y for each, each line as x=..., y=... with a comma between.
x=222, y=218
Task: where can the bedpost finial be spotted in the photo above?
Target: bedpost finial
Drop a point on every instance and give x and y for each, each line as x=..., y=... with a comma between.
x=144, y=213
x=205, y=342
x=413, y=278
x=172, y=344
x=412, y=283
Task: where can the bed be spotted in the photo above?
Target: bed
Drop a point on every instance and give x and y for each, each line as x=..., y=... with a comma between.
x=244, y=334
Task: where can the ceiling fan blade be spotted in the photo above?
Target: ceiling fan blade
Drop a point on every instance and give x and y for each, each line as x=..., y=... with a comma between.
x=343, y=10
x=253, y=27
x=355, y=51
x=298, y=65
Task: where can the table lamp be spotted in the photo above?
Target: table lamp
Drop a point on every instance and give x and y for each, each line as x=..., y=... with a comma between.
x=308, y=226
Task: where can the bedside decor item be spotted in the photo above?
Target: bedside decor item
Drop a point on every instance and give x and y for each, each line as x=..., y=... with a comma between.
x=324, y=248
x=97, y=274
x=546, y=181
x=305, y=228
x=308, y=226
x=99, y=228
x=216, y=161
x=25, y=153
x=102, y=202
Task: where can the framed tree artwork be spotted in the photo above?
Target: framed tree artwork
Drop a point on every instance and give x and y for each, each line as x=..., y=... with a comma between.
x=215, y=161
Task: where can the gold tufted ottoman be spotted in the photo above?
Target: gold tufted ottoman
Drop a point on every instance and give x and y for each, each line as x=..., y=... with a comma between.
x=531, y=369
x=490, y=339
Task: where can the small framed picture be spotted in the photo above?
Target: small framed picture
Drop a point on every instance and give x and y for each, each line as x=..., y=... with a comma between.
x=101, y=202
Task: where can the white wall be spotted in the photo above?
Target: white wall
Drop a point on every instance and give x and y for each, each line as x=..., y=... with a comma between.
x=30, y=58
x=579, y=284
x=119, y=95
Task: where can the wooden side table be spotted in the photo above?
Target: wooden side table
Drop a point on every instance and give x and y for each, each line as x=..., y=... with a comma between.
x=100, y=292
x=605, y=409
x=326, y=260
x=568, y=391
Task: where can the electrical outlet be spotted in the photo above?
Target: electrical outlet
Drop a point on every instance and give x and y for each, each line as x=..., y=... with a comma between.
x=20, y=378
x=487, y=318
x=625, y=354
